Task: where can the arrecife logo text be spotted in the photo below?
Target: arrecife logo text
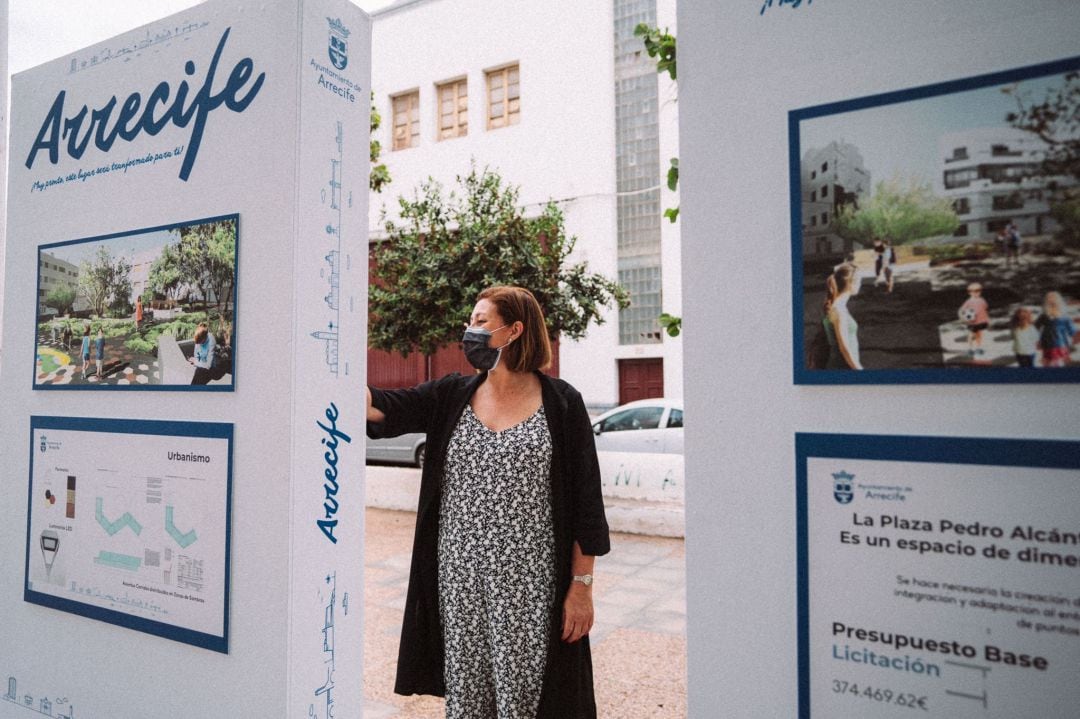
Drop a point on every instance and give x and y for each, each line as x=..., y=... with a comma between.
x=134, y=117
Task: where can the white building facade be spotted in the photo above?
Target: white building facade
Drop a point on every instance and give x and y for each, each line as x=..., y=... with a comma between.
x=53, y=274
x=533, y=91
x=992, y=177
x=832, y=177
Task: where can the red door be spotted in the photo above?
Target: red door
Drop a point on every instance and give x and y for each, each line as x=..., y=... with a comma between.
x=640, y=379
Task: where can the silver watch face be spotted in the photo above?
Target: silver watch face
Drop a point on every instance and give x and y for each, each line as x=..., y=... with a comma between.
x=585, y=579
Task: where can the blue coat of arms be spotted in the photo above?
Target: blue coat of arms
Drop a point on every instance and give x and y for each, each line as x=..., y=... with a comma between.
x=842, y=491
x=339, y=44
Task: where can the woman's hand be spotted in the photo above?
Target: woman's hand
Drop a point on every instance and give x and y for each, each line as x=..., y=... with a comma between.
x=577, y=612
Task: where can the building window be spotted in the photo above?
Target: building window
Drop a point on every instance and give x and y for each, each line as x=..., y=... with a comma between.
x=960, y=178
x=504, y=97
x=824, y=167
x=958, y=153
x=1012, y=201
x=813, y=195
x=813, y=174
x=824, y=192
x=813, y=220
x=962, y=206
x=824, y=218
x=961, y=231
x=453, y=109
x=1003, y=151
x=407, y=120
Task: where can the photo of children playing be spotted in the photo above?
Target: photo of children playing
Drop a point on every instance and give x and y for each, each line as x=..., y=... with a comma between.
x=940, y=229
x=148, y=308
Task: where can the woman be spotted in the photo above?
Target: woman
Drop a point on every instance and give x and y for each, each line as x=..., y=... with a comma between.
x=203, y=358
x=509, y=521
x=841, y=330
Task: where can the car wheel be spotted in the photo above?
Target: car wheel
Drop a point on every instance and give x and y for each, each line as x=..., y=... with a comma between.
x=420, y=452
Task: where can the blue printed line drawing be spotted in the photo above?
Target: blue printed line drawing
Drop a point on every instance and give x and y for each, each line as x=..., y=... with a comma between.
x=118, y=561
x=781, y=3
x=134, y=50
x=43, y=706
x=333, y=298
x=185, y=540
x=111, y=528
x=125, y=600
x=327, y=688
x=332, y=272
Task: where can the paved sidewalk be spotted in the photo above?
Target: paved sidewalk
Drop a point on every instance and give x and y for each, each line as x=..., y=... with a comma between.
x=638, y=643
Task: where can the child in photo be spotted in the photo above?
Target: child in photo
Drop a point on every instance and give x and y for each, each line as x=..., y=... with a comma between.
x=99, y=350
x=1056, y=331
x=1025, y=337
x=84, y=351
x=975, y=313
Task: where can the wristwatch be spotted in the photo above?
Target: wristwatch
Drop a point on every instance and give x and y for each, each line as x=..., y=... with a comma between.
x=585, y=579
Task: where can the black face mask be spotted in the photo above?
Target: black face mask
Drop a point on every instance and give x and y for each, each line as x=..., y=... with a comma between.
x=475, y=342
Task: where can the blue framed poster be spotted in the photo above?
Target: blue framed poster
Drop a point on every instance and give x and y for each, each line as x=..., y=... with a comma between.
x=933, y=238
x=938, y=577
x=146, y=309
x=128, y=523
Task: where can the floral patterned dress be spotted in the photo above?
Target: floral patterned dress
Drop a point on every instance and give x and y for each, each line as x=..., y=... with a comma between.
x=496, y=567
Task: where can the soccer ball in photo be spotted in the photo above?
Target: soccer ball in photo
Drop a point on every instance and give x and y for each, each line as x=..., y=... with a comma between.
x=967, y=314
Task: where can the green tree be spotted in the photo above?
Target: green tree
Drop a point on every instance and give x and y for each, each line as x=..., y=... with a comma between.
x=104, y=280
x=446, y=248
x=166, y=278
x=61, y=298
x=662, y=46
x=208, y=258
x=1056, y=121
x=898, y=210
x=1067, y=214
x=379, y=176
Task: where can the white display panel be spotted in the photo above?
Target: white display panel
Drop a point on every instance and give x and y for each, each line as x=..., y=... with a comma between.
x=961, y=560
x=128, y=523
x=240, y=120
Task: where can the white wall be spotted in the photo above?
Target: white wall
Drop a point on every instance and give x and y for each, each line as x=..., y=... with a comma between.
x=740, y=74
x=562, y=149
x=3, y=152
x=269, y=164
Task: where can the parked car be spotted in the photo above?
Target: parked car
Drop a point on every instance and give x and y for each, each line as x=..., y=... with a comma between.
x=646, y=425
x=406, y=449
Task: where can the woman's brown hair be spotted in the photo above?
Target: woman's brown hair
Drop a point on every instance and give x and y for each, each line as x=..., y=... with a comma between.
x=840, y=281
x=532, y=350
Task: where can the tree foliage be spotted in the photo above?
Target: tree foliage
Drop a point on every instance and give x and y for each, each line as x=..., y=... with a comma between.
x=1056, y=121
x=379, y=176
x=660, y=45
x=898, y=210
x=1067, y=214
x=61, y=298
x=207, y=254
x=104, y=280
x=447, y=247
x=166, y=276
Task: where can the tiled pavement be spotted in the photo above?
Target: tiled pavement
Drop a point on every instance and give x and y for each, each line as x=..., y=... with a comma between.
x=638, y=642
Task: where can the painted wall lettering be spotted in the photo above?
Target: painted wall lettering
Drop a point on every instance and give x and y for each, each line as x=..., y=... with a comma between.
x=330, y=485
x=104, y=124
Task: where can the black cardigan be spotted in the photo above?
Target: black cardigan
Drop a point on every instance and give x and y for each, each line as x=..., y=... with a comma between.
x=577, y=510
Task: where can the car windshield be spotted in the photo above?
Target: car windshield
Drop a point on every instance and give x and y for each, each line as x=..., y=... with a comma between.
x=635, y=418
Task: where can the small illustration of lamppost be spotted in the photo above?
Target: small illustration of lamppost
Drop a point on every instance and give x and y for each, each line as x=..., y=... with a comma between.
x=50, y=545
